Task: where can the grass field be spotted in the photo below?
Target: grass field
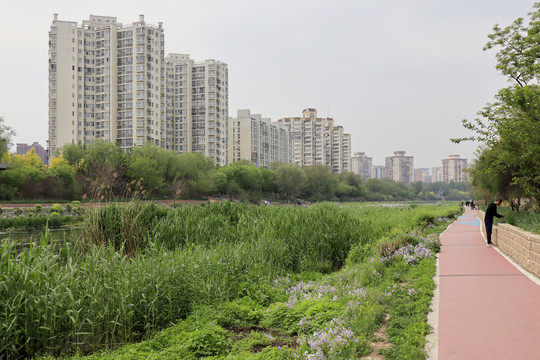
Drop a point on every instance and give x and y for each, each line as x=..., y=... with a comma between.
x=225, y=281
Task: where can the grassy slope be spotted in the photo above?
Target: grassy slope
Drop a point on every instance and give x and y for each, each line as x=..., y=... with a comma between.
x=311, y=314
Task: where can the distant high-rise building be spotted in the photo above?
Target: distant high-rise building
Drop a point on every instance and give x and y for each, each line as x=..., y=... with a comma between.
x=197, y=106
x=258, y=140
x=319, y=141
x=453, y=169
x=400, y=167
x=378, y=172
x=106, y=81
x=436, y=174
x=362, y=164
x=422, y=175
x=38, y=149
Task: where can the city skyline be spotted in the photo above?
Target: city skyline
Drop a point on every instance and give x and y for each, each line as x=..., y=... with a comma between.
x=406, y=88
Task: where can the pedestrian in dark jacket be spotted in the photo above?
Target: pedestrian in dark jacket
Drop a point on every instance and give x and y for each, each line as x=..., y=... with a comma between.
x=488, y=220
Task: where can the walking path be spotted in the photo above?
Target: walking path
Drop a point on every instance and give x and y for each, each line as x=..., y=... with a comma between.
x=487, y=308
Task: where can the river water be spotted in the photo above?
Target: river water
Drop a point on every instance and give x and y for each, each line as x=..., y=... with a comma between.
x=26, y=237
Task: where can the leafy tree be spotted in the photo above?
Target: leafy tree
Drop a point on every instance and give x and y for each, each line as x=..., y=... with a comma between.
x=148, y=171
x=6, y=135
x=519, y=53
x=244, y=175
x=73, y=153
x=29, y=164
x=321, y=183
x=350, y=185
x=101, y=153
x=289, y=180
x=23, y=176
x=417, y=186
x=510, y=127
x=189, y=166
x=61, y=169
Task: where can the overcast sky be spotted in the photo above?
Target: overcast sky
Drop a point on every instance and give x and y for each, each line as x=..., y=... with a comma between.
x=396, y=74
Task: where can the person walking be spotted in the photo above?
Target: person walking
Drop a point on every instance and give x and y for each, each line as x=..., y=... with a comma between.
x=488, y=219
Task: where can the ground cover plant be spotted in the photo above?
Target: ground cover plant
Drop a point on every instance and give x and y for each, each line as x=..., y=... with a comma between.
x=207, y=271
x=526, y=220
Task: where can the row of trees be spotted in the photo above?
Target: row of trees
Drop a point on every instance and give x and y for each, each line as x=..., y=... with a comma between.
x=508, y=163
x=102, y=171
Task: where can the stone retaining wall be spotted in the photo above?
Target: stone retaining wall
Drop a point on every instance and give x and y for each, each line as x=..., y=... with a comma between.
x=521, y=246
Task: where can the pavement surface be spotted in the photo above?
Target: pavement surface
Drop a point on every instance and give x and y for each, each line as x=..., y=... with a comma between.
x=488, y=309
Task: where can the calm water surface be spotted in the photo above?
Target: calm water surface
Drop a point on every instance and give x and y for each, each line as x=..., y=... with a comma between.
x=27, y=237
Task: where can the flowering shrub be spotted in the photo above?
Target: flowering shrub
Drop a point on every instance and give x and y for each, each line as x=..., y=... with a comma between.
x=412, y=254
x=328, y=343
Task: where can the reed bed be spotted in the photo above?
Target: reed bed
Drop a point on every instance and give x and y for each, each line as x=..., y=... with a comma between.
x=144, y=267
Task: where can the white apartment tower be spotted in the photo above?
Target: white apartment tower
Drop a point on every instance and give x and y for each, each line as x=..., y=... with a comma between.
x=453, y=169
x=400, y=167
x=319, y=141
x=378, y=172
x=106, y=81
x=436, y=174
x=362, y=164
x=197, y=107
x=258, y=140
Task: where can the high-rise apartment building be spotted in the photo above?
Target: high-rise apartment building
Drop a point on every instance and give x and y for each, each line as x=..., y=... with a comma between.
x=197, y=107
x=319, y=141
x=106, y=81
x=378, y=172
x=453, y=169
x=436, y=174
x=258, y=140
x=111, y=81
x=400, y=167
x=362, y=164
x=422, y=174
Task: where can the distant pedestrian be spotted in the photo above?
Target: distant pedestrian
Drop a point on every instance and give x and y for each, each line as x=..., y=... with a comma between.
x=472, y=205
x=488, y=220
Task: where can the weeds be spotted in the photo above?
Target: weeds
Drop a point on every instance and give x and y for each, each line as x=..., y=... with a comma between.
x=155, y=266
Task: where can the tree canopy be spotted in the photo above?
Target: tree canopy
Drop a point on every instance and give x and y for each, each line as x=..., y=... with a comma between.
x=6, y=135
x=509, y=128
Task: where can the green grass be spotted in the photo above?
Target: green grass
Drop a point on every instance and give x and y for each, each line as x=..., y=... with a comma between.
x=202, y=271
x=526, y=220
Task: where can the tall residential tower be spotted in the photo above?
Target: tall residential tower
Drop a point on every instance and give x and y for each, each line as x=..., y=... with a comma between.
x=106, y=81
x=400, y=167
x=197, y=106
x=453, y=169
x=362, y=165
x=112, y=82
x=258, y=140
x=319, y=141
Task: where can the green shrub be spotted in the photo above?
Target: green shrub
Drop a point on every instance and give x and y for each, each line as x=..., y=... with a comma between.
x=237, y=314
x=17, y=211
x=56, y=208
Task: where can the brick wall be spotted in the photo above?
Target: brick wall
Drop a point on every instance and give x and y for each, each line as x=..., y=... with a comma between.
x=521, y=246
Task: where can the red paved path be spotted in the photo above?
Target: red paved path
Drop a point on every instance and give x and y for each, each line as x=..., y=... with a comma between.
x=487, y=308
